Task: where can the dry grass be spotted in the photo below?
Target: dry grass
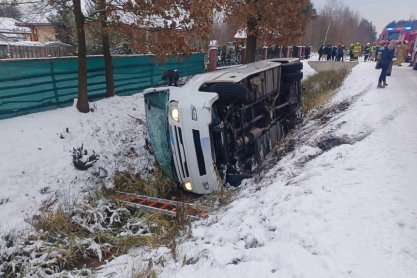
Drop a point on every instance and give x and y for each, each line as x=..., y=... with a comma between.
x=57, y=222
x=72, y=242
x=157, y=185
x=321, y=87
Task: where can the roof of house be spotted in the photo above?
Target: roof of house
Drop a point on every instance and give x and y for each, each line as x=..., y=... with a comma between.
x=8, y=25
x=32, y=24
x=240, y=34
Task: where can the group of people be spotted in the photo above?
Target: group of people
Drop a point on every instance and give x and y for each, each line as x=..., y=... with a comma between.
x=329, y=52
x=337, y=53
x=369, y=52
x=385, y=53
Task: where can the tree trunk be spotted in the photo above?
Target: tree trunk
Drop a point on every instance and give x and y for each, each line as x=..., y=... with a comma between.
x=82, y=103
x=106, y=50
x=251, y=41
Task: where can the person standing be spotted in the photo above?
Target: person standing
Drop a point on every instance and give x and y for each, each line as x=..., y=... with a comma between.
x=402, y=50
x=373, y=50
x=392, y=62
x=321, y=52
x=386, y=57
x=334, y=52
x=328, y=50
x=340, y=53
x=357, y=50
x=367, y=51
x=380, y=47
x=351, y=52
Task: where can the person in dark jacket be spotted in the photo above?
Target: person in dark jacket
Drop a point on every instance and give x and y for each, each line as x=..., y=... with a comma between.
x=367, y=51
x=334, y=52
x=328, y=50
x=389, y=70
x=321, y=52
x=386, y=57
x=340, y=53
x=351, y=57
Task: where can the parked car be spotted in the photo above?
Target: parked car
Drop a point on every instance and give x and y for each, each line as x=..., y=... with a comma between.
x=220, y=125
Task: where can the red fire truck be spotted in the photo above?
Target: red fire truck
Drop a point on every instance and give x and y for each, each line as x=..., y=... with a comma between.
x=400, y=34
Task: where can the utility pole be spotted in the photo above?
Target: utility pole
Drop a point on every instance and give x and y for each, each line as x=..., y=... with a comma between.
x=327, y=32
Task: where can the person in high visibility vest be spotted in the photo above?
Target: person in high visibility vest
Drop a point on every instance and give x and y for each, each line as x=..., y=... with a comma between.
x=357, y=51
x=373, y=50
x=402, y=51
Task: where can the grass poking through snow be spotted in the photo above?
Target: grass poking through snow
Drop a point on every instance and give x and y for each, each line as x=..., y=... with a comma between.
x=319, y=88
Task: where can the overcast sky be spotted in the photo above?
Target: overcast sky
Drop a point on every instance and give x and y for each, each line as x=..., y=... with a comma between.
x=379, y=12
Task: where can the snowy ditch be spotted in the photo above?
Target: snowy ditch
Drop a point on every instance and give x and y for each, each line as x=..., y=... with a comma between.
x=260, y=219
x=82, y=227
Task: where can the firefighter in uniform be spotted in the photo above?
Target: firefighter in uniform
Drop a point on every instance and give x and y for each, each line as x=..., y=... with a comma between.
x=373, y=49
x=367, y=51
x=402, y=51
x=357, y=50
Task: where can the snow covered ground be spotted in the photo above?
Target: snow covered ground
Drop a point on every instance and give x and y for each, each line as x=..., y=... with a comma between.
x=342, y=204
x=36, y=154
x=322, y=211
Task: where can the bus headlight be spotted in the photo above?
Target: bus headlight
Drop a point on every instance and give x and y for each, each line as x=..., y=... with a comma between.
x=188, y=186
x=174, y=112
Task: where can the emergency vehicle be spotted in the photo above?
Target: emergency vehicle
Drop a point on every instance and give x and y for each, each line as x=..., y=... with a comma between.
x=400, y=34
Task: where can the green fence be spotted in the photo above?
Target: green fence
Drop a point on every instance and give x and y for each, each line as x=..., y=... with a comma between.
x=34, y=85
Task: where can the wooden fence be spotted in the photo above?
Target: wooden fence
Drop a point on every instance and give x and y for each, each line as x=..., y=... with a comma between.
x=24, y=51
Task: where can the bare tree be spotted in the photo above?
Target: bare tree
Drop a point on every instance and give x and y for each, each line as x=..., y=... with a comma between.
x=169, y=27
x=344, y=26
x=269, y=22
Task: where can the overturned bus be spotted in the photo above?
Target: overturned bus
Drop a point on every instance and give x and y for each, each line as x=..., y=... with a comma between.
x=219, y=126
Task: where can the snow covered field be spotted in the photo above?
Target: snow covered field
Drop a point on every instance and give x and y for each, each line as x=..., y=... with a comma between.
x=342, y=204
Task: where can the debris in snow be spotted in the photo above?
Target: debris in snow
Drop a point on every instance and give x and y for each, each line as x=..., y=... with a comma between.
x=80, y=159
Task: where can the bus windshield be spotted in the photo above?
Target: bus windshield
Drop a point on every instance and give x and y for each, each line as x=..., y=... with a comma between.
x=393, y=35
x=156, y=107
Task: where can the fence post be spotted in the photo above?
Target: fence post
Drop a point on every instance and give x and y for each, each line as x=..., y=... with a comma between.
x=265, y=48
x=55, y=89
x=212, y=59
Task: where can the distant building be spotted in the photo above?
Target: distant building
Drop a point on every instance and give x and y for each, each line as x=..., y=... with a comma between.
x=240, y=38
x=39, y=32
x=10, y=32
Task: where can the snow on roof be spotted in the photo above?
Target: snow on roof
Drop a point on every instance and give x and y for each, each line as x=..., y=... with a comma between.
x=153, y=21
x=34, y=43
x=240, y=34
x=8, y=24
x=214, y=43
